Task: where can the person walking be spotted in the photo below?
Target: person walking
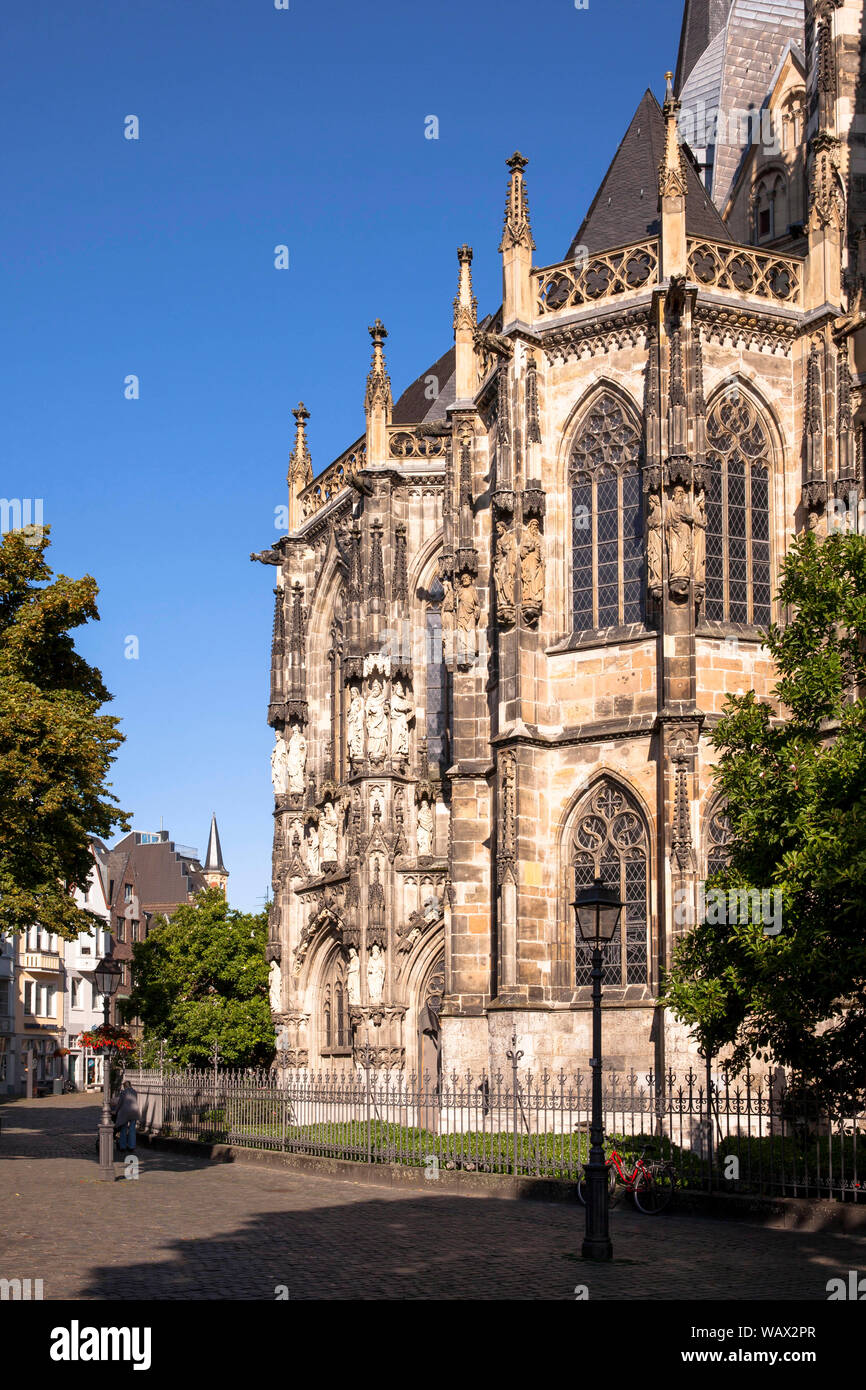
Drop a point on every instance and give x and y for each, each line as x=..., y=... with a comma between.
x=127, y=1115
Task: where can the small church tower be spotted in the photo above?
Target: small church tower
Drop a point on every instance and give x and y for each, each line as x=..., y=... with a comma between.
x=215, y=872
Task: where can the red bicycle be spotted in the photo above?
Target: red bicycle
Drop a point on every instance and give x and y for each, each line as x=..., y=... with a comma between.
x=651, y=1184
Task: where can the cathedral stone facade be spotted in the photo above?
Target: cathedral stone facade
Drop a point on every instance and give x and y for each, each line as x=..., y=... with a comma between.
x=507, y=616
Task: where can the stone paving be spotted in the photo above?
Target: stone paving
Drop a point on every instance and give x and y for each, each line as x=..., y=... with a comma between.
x=191, y=1229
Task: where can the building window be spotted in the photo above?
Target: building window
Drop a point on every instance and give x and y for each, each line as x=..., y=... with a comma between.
x=607, y=518
x=611, y=843
x=75, y=994
x=121, y=929
x=29, y=991
x=135, y=925
x=738, y=514
x=127, y=892
x=719, y=836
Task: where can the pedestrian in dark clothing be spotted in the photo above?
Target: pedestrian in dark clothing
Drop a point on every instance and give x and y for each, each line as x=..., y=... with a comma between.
x=127, y=1115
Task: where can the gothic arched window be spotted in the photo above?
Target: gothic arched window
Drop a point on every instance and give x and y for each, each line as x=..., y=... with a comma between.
x=738, y=513
x=718, y=838
x=611, y=843
x=607, y=518
x=336, y=1033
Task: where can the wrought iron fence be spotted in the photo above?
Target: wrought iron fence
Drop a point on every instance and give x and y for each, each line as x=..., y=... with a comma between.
x=740, y=1135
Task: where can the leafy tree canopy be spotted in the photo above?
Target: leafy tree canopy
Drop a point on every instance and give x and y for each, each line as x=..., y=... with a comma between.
x=55, y=746
x=201, y=978
x=796, y=799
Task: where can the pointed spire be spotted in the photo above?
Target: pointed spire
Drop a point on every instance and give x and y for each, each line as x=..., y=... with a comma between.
x=378, y=402
x=214, y=870
x=300, y=466
x=673, y=186
x=465, y=325
x=517, y=231
x=517, y=247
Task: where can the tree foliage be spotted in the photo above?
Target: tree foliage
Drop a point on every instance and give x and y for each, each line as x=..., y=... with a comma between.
x=796, y=799
x=55, y=746
x=201, y=978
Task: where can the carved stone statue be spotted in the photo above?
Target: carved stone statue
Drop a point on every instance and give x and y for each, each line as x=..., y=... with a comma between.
x=654, y=544
x=532, y=566
x=297, y=761
x=377, y=723
x=402, y=713
x=376, y=974
x=425, y=828
x=329, y=833
x=468, y=609
x=312, y=850
x=356, y=725
x=353, y=977
x=505, y=571
x=280, y=766
x=678, y=532
x=447, y=617
x=275, y=987
x=700, y=542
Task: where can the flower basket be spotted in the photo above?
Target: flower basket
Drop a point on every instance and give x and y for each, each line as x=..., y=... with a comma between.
x=103, y=1038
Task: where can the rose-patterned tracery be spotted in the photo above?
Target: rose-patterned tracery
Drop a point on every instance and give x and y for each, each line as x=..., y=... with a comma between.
x=719, y=836
x=738, y=513
x=607, y=525
x=611, y=843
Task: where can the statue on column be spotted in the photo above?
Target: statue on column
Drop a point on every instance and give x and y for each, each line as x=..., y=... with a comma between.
x=312, y=850
x=377, y=723
x=468, y=609
x=654, y=526
x=329, y=833
x=447, y=618
x=678, y=531
x=425, y=828
x=505, y=571
x=355, y=721
x=297, y=761
x=275, y=987
x=353, y=977
x=532, y=569
x=280, y=766
x=376, y=974
x=700, y=543
x=402, y=712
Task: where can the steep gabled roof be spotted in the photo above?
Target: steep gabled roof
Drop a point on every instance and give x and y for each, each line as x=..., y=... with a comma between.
x=625, y=208
x=214, y=857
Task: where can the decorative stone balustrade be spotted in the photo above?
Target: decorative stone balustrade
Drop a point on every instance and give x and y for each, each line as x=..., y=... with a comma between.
x=752, y=274
x=592, y=280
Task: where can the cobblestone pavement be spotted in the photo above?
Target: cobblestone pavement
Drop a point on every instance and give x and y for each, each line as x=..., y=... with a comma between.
x=191, y=1229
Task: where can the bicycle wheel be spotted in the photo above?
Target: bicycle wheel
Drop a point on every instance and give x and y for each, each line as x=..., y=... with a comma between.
x=583, y=1184
x=653, y=1190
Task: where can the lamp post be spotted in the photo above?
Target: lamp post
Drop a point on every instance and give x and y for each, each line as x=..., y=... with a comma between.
x=107, y=976
x=597, y=911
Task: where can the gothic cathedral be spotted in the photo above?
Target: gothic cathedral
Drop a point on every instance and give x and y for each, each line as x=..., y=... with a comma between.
x=506, y=617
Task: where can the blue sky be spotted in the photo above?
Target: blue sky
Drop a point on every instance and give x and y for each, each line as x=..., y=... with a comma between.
x=155, y=257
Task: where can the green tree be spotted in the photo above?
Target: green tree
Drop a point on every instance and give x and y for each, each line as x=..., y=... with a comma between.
x=201, y=978
x=796, y=799
x=55, y=746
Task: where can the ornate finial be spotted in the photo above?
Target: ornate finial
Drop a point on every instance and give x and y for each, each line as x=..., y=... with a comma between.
x=673, y=179
x=300, y=463
x=517, y=230
x=465, y=305
x=378, y=381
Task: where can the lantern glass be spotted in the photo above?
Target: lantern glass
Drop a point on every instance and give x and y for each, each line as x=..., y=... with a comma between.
x=597, y=910
x=107, y=977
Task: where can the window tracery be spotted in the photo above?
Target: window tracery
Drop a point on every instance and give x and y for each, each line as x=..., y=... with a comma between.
x=611, y=842
x=607, y=518
x=738, y=513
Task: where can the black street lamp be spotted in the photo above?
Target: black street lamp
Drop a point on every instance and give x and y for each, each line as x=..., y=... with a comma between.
x=107, y=977
x=597, y=910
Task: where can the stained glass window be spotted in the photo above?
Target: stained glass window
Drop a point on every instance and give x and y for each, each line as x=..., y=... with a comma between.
x=607, y=519
x=611, y=843
x=738, y=514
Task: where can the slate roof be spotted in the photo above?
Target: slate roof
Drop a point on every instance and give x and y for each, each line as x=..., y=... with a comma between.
x=416, y=404
x=702, y=21
x=214, y=857
x=736, y=70
x=625, y=208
